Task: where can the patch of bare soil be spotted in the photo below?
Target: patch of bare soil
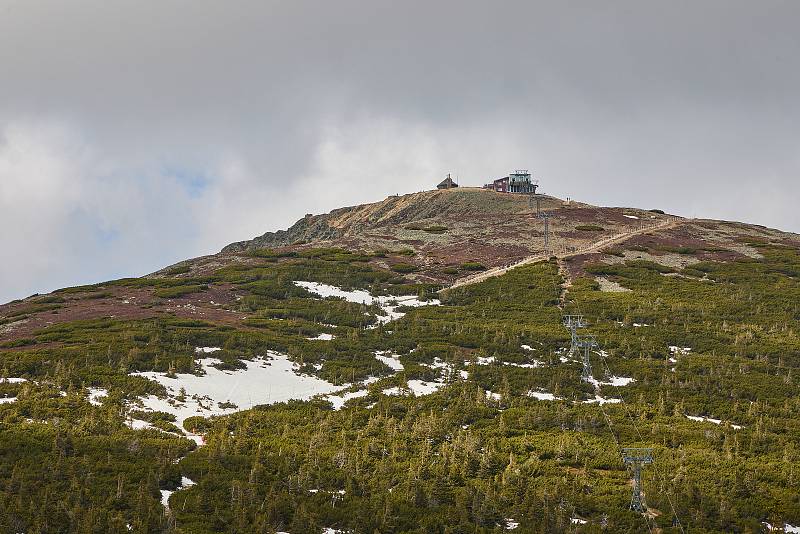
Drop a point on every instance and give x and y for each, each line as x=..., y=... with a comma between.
x=610, y=286
x=123, y=303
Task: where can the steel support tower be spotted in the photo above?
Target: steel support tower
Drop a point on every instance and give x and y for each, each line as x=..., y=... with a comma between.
x=545, y=218
x=573, y=322
x=587, y=343
x=538, y=199
x=637, y=458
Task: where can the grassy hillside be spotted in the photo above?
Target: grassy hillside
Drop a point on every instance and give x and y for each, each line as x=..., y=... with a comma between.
x=466, y=416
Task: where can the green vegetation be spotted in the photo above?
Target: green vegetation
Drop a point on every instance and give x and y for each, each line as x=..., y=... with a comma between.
x=473, y=266
x=179, y=291
x=433, y=229
x=453, y=461
x=403, y=268
x=179, y=269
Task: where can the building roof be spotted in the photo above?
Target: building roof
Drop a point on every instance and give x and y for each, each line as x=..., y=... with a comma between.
x=447, y=182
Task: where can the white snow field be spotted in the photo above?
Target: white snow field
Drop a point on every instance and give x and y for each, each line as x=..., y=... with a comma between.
x=542, y=395
x=613, y=381
x=701, y=419
x=389, y=305
x=8, y=400
x=392, y=360
x=264, y=381
x=338, y=400
x=321, y=337
x=96, y=396
x=12, y=380
x=418, y=387
x=600, y=400
x=493, y=396
x=165, y=494
x=533, y=365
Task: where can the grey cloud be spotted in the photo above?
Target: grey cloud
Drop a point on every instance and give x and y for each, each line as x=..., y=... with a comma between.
x=291, y=107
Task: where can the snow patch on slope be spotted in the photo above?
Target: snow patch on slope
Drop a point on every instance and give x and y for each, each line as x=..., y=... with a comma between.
x=389, y=305
x=216, y=392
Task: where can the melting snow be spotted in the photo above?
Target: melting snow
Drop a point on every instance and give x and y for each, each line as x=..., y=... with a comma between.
x=138, y=424
x=679, y=350
x=206, y=350
x=614, y=381
x=339, y=401
x=493, y=396
x=12, y=380
x=389, y=304
x=600, y=400
x=165, y=494
x=511, y=524
x=321, y=337
x=533, y=365
x=485, y=360
x=789, y=529
x=418, y=387
x=701, y=419
x=542, y=395
x=262, y=382
x=96, y=395
x=392, y=360
x=527, y=347
x=576, y=520
x=619, y=381
x=8, y=400
x=631, y=216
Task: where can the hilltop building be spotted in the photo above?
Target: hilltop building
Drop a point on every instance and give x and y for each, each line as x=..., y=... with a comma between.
x=447, y=183
x=518, y=181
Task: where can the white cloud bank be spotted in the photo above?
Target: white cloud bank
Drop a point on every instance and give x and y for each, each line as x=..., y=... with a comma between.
x=135, y=135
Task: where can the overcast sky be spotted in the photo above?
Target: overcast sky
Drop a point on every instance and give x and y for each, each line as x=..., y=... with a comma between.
x=134, y=134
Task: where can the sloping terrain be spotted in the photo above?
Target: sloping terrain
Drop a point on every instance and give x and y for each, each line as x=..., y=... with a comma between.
x=450, y=230
x=333, y=379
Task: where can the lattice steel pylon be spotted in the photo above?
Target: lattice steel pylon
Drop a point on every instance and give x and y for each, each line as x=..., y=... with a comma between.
x=535, y=197
x=546, y=218
x=587, y=343
x=637, y=458
x=573, y=322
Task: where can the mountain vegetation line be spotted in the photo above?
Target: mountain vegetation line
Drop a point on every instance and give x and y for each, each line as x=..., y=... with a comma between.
x=593, y=247
x=469, y=414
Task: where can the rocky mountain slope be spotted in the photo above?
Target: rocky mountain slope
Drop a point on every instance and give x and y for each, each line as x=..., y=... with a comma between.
x=403, y=366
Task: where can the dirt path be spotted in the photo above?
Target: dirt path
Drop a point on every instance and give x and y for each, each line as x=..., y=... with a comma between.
x=566, y=284
x=593, y=247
